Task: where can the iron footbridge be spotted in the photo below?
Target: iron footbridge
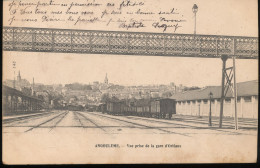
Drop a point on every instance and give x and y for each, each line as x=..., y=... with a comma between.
x=128, y=43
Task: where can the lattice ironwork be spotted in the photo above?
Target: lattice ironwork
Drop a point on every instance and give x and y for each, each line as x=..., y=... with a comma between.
x=43, y=40
x=119, y=42
x=128, y=43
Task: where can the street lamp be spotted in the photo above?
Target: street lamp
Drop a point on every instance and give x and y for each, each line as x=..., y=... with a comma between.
x=195, y=10
x=210, y=98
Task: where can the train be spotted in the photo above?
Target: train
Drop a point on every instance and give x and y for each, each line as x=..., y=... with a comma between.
x=75, y=108
x=154, y=108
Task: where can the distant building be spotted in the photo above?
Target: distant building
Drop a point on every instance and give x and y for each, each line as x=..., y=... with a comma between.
x=20, y=83
x=196, y=102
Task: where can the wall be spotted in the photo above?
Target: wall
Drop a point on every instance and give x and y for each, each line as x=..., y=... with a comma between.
x=246, y=108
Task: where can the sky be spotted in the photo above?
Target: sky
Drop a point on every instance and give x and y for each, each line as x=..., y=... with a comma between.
x=229, y=17
x=63, y=68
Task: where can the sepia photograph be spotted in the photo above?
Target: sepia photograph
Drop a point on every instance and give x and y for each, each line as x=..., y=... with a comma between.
x=129, y=81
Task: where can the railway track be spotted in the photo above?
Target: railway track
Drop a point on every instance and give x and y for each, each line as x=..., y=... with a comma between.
x=188, y=126
x=89, y=120
x=77, y=118
x=22, y=118
x=62, y=115
x=142, y=125
x=58, y=121
x=180, y=125
x=226, y=123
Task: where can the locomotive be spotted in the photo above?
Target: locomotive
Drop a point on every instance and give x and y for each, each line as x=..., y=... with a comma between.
x=156, y=108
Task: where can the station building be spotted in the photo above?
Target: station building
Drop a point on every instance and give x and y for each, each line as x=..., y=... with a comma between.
x=197, y=102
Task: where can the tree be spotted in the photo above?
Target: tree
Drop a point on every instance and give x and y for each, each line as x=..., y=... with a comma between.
x=78, y=86
x=104, y=97
x=41, y=97
x=191, y=88
x=167, y=94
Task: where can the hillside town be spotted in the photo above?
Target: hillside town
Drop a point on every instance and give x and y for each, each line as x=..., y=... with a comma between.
x=58, y=96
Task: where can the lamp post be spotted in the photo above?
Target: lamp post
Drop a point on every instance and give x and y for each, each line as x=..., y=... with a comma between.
x=210, y=98
x=195, y=10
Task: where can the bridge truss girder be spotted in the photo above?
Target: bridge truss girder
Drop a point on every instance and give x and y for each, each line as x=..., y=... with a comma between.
x=128, y=43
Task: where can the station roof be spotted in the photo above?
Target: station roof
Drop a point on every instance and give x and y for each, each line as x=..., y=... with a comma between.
x=7, y=89
x=249, y=88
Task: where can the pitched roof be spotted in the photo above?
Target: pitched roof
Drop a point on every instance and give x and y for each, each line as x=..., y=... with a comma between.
x=7, y=89
x=248, y=88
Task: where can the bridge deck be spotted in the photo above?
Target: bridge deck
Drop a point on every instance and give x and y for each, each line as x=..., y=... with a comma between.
x=128, y=43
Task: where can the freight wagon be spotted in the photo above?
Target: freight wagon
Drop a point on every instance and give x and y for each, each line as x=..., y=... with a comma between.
x=163, y=108
x=157, y=108
x=115, y=107
x=143, y=107
x=75, y=107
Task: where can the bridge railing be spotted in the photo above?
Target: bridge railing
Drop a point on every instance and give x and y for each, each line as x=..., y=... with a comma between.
x=128, y=43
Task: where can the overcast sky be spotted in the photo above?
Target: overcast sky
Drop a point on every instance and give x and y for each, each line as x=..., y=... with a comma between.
x=52, y=68
x=217, y=18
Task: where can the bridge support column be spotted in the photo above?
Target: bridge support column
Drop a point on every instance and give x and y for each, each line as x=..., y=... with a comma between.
x=224, y=59
x=235, y=92
x=228, y=84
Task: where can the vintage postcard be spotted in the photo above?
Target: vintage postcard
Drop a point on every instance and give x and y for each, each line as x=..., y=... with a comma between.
x=130, y=81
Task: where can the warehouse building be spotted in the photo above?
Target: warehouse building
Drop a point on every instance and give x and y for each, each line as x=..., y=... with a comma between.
x=197, y=102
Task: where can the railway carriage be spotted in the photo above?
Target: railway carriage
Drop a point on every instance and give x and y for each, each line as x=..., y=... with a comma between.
x=163, y=108
x=157, y=108
x=127, y=110
x=115, y=107
x=169, y=107
x=143, y=107
x=131, y=110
